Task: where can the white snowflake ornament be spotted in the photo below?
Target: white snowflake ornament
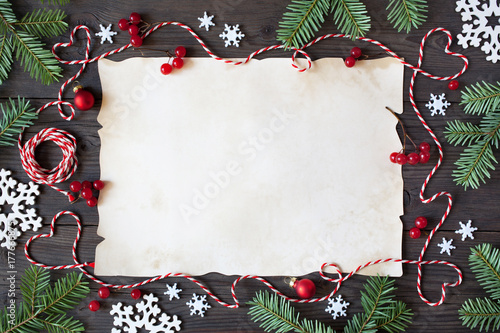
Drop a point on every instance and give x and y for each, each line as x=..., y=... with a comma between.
x=13, y=212
x=481, y=24
x=446, y=246
x=232, y=34
x=106, y=33
x=172, y=291
x=148, y=311
x=466, y=230
x=198, y=305
x=206, y=21
x=337, y=307
x=438, y=104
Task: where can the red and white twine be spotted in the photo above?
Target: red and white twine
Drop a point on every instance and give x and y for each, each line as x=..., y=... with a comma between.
x=68, y=165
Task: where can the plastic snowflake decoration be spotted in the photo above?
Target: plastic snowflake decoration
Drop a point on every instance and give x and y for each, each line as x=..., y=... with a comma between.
x=337, y=307
x=148, y=311
x=466, y=230
x=437, y=104
x=172, y=291
x=106, y=33
x=198, y=305
x=14, y=216
x=481, y=24
x=446, y=246
x=206, y=21
x=232, y=34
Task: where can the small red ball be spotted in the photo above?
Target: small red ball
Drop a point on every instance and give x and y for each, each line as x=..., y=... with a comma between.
x=392, y=157
x=135, y=293
x=135, y=18
x=133, y=30
x=180, y=51
x=86, y=184
x=421, y=222
x=75, y=186
x=87, y=193
x=178, y=63
x=136, y=41
x=424, y=157
x=424, y=146
x=84, y=100
x=453, y=85
x=350, y=61
x=413, y=158
x=415, y=233
x=305, y=288
x=98, y=185
x=401, y=159
x=123, y=24
x=356, y=52
x=166, y=69
x=103, y=292
x=92, y=202
x=94, y=305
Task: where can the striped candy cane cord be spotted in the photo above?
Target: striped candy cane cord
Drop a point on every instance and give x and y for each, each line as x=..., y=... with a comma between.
x=69, y=163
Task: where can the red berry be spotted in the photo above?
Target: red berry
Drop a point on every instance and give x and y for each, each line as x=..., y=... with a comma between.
x=94, y=305
x=135, y=18
x=421, y=222
x=350, y=61
x=424, y=146
x=356, y=52
x=136, y=41
x=87, y=193
x=393, y=157
x=180, y=51
x=401, y=159
x=415, y=233
x=453, y=85
x=413, y=158
x=98, y=185
x=133, y=30
x=424, y=157
x=178, y=63
x=92, y=202
x=166, y=69
x=103, y=292
x=86, y=184
x=123, y=24
x=136, y=293
x=75, y=186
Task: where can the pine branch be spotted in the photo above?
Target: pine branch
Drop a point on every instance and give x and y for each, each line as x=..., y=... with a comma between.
x=405, y=14
x=15, y=119
x=301, y=21
x=34, y=282
x=56, y=2
x=351, y=17
x=7, y=16
x=482, y=312
x=465, y=134
x=43, y=23
x=6, y=58
x=481, y=98
x=395, y=319
x=485, y=264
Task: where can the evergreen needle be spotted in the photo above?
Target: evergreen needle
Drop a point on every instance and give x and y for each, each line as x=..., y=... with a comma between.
x=15, y=118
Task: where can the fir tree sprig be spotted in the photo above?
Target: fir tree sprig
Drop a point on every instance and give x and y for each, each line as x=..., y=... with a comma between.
x=484, y=312
x=381, y=311
x=24, y=37
x=477, y=160
x=405, y=14
x=6, y=57
x=351, y=17
x=302, y=19
x=15, y=118
x=44, y=307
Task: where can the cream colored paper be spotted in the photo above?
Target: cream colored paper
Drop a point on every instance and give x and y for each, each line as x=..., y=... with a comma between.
x=252, y=169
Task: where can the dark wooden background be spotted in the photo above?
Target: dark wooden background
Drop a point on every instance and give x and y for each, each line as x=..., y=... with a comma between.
x=259, y=20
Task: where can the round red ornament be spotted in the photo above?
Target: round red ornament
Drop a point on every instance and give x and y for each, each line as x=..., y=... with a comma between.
x=84, y=100
x=304, y=288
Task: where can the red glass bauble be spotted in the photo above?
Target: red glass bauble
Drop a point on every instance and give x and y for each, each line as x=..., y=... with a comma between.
x=304, y=288
x=84, y=100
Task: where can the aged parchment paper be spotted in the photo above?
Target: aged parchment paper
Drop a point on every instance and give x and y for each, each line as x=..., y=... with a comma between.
x=253, y=169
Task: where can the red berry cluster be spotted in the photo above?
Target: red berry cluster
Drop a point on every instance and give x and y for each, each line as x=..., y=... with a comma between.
x=85, y=190
x=177, y=62
x=356, y=53
x=132, y=25
x=420, y=223
x=422, y=155
x=104, y=292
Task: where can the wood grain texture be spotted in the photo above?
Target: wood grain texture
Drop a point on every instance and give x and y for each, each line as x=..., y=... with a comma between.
x=259, y=21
